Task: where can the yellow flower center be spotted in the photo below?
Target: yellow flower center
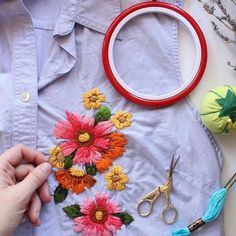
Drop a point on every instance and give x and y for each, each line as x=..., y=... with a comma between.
x=122, y=119
x=60, y=158
x=84, y=137
x=76, y=172
x=115, y=178
x=99, y=215
x=94, y=98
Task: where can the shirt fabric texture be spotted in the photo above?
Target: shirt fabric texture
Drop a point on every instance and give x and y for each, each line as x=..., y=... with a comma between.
x=51, y=55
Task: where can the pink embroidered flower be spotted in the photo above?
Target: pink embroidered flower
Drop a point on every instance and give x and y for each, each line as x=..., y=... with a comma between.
x=98, y=217
x=87, y=139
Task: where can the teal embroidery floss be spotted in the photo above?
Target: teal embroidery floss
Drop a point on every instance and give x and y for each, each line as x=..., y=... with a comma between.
x=182, y=232
x=215, y=206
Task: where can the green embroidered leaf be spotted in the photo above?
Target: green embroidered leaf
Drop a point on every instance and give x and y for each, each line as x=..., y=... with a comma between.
x=125, y=217
x=228, y=105
x=60, y=194
x=73, y=211
x=91, y=170
x=69, y=161
x=103, y=114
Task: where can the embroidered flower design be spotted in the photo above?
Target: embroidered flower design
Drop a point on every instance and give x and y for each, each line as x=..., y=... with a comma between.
x=93, y=99
x=115, y=150
x=98, y=218
x=116, y=179
x=87, y=140
x=56, y=157
x=121, y=119
x=90, y=142
x=74, y=179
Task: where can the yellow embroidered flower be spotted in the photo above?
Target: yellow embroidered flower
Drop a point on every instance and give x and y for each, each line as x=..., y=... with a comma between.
x=56, y=157
x=93, y=99
x=121, y=119
x=116, y=179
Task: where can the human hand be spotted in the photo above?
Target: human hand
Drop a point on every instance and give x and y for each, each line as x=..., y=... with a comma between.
x=23, y=187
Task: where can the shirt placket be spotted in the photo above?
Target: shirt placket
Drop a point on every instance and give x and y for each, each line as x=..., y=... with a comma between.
x=24, y=120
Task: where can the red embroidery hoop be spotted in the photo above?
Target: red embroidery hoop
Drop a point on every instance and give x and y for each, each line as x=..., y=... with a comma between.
x=121, y=86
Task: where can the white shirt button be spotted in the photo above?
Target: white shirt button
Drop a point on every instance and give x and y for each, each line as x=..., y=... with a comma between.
x=25, y=96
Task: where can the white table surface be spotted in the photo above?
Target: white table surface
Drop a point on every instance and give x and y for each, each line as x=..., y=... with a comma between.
x=217, y=74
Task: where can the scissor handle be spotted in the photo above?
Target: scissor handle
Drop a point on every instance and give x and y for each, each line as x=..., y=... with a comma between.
x=165, y=211
x=148, y=212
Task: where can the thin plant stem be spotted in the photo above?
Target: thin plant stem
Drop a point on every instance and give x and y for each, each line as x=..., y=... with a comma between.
x=219, y=19
x=233, y=2
x=226, y=20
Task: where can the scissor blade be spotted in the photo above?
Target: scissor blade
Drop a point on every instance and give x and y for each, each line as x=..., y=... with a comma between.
x=231, y=182
x=173, y=165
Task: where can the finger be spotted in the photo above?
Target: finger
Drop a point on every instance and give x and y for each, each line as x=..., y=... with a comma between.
x=34, y=210
x=5, y=180
x=7, y=167
x=22, y=171
x=20, y=152
x=44, y=193
x=34, y=179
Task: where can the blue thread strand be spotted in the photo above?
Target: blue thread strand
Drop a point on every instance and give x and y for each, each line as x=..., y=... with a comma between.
x=181, y=232
x=215, y=205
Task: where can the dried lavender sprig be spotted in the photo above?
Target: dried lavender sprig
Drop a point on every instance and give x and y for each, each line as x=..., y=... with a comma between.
x=221, y=7
x=221, y=35
x=227, y=16
x=232, y=21
x=209, y=9
x=225, y=20
x=233, y=2
x=233, y=66
x=221, y=19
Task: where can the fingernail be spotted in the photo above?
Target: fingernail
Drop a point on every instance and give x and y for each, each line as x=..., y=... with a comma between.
x=38, y=223
x=46, y=167
x=37, y=220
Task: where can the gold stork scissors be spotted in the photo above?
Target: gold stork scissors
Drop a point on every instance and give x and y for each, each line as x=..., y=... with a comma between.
x=166, y=188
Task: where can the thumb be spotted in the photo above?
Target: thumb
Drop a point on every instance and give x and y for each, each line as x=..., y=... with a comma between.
x=35, y=179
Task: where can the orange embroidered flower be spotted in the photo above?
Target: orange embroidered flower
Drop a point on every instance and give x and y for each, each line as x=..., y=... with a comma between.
x=115, y=150
x=74, y=179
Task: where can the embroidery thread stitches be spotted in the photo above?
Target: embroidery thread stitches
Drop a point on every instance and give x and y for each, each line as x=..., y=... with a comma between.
x=56, y=157
x=121, y=119
x=74, y=179
x=93, y=99
x=90, y=142
x=83, y=137
x=99, y=216
x=116, y=179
